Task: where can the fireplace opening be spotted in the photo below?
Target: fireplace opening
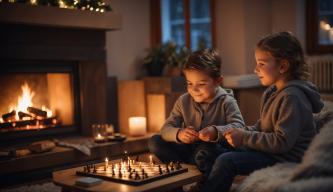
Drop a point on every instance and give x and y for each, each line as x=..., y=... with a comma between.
x=38, y=100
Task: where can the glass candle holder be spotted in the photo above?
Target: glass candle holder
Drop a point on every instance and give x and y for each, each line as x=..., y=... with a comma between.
x=109, y=129
x=98, y=133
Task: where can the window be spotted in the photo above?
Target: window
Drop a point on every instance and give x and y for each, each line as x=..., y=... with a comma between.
x=186, y=22
x=319, y=26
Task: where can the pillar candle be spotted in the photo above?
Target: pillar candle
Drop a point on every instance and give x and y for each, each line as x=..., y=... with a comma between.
x=137, y=126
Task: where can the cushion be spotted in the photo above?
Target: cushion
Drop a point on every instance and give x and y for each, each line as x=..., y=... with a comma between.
x=321, y=184
x=317, y=160
x=267, y=179
x=325, y=115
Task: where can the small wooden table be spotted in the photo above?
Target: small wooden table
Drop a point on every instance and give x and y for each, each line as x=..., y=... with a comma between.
x=66, y=179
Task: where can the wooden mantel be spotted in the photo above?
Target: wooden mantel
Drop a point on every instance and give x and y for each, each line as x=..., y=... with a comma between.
x=58, y=17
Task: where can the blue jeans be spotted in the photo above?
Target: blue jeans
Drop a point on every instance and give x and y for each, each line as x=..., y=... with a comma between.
x=229, y=164
x=202, y=154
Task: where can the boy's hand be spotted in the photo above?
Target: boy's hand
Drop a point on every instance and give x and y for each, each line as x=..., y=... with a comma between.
x=188, y=135
x=208, y=134
x=234, y=137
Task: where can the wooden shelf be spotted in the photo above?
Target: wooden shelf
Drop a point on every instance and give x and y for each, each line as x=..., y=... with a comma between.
x=58, y=17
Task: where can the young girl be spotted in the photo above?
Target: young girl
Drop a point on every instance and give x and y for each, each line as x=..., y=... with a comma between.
x=191, y=132
x=286, y=125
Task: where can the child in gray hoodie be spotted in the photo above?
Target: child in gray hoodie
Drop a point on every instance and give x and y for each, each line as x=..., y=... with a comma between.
x=194, y=129
x=286, y=125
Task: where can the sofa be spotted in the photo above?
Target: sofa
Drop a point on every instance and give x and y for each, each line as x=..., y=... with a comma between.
x=313, y=173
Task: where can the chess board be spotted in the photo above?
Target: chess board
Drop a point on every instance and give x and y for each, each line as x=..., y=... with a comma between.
x=132, y=172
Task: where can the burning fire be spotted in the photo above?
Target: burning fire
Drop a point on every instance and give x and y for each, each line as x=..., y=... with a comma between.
x=25, y=115
x=25, y=100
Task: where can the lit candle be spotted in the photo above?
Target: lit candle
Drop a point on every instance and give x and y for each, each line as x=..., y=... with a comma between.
x=150, y=159
x=99, y=138
x=106, y=163
x=137, y=126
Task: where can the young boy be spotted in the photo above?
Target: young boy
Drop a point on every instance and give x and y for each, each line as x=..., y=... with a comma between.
x=199, y=117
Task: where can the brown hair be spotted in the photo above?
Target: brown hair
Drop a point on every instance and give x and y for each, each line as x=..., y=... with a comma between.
x=284, y=45
x=206, y=60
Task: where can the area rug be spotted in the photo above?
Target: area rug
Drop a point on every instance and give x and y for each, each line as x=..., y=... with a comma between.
x=45, y=187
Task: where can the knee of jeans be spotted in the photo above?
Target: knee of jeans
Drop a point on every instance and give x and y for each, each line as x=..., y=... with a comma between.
x=224, y=161
x=154, y=143
x=200, y=157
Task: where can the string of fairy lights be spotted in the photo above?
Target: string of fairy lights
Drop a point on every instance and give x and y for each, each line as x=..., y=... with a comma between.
x=90, y=5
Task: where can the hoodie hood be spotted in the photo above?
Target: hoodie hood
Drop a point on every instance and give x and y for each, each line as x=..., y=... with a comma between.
x=220, y=92
x=311, y=92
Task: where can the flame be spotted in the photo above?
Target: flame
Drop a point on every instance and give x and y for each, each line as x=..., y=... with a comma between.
x=48, y=111
x=25, y=100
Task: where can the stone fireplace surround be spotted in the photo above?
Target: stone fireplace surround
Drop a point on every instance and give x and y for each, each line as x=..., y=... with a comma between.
x=53, y=35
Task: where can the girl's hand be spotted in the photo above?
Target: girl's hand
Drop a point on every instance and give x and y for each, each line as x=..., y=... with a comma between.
x=208, y=134
x=234, y=137
x=188, y=135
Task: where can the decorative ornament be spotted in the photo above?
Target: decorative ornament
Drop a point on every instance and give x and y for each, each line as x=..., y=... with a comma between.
x=91, y=5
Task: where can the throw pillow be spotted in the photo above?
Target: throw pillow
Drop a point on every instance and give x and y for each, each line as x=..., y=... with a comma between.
x=317, y=160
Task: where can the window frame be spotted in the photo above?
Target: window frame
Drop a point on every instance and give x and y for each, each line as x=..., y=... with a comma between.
x=312, y=45
x=155, y=22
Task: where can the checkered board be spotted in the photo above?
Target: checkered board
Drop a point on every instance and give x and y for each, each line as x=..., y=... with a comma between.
x=137, y=173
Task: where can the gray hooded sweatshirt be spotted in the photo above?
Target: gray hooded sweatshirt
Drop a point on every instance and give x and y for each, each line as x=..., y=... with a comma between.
x=222, y=112
x=286, y=126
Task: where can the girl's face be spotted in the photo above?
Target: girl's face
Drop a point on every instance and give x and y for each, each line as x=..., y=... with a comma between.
x=267, y=69
x=200, y=86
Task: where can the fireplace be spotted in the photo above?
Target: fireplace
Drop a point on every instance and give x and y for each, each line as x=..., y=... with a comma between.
x=58, y=57
x=38, y=98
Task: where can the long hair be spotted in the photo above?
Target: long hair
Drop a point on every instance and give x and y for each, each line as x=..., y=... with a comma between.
x=284, y=45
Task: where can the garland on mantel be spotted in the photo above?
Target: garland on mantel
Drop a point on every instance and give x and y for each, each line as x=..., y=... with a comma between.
x=90, y=5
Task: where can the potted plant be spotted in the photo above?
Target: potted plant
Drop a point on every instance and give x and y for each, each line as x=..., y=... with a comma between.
x=165, y=60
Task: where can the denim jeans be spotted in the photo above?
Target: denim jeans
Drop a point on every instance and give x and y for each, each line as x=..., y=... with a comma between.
x=202, y=154
x=229, y=164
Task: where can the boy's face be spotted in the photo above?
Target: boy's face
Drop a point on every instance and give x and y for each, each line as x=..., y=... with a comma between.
x=200, y=86
x=267, y=69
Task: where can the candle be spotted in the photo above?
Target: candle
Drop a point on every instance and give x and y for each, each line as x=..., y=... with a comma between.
x=99, y=138
x=137, y=126
x=106, y=163
x=150, y=159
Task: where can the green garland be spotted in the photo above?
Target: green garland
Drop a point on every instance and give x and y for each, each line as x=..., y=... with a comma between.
x=91, y=5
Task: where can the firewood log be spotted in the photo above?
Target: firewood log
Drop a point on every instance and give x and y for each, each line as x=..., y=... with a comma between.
x=9, y=116
x=37, y=112
x=22, y=114
x=22, y=152
x=41, y=146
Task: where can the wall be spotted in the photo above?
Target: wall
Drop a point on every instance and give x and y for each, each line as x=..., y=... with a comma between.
x=241, y=23
x=230, y=35
x=289, y=15
x=126, y=47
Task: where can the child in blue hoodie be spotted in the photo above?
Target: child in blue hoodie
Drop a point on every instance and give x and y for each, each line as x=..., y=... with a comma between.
x=286, y=126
